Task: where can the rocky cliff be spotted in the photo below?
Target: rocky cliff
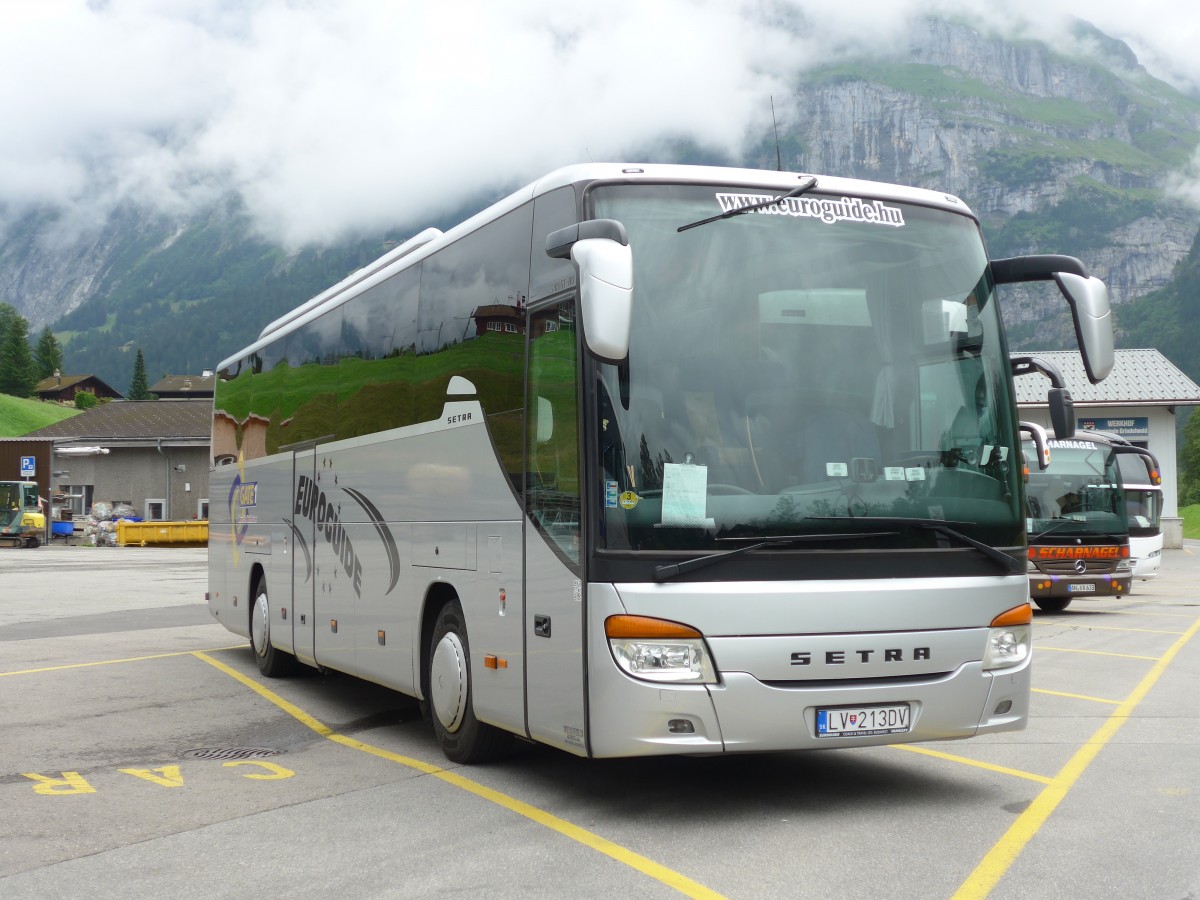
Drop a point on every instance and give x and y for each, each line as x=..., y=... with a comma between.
x=1054, y=153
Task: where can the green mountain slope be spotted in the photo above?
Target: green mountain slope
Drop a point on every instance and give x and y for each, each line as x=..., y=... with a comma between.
x=19, y=417
x=199, y=299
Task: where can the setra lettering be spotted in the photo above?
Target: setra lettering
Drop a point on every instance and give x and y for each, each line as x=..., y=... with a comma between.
x=840, y=657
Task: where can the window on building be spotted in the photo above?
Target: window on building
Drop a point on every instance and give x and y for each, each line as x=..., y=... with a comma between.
x=202, y=509
x=78, y=498
x=156, y=510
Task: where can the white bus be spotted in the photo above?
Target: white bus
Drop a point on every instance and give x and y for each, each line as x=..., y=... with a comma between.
x=1142, y=482
x=649, y=460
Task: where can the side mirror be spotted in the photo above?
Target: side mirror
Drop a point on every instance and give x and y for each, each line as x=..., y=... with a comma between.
x=1153, y=473
x=1037, y=434
x=1062, y=407
x=1087, y=296
x=1092, y=313
x=601, y=252
x=1062, y=412
x=545, y=420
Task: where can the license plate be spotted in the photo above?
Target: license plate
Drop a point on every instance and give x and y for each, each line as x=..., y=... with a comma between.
x=863, y=721
x=1082, y=588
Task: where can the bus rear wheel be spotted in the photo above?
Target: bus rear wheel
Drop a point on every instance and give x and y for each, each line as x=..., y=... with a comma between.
x=463, y=738
x=272, y=662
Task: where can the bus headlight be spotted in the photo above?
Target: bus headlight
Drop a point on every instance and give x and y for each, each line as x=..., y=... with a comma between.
x=1009, y=639
x=1125, y=565
x=659, y=650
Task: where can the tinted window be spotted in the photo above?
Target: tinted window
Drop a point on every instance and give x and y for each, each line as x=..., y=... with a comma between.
x=549, y=275
x=377, y=367
x=468, y=289
x=305, y=384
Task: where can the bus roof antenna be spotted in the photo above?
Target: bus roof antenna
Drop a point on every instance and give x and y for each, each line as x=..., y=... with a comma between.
x=778, y=155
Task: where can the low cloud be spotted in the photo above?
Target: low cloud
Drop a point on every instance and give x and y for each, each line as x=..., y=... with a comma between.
x=335, y=117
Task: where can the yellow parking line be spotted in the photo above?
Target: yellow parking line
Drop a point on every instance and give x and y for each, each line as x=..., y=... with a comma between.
x=1098, y=652
x=635, y=861
x=1003, y=770
x=1108, y=628
x=1153, y=615
x=111, y=662
x=1005, y=852
x=1076, y=696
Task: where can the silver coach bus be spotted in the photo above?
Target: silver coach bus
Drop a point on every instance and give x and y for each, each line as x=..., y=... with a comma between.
x=648, y=460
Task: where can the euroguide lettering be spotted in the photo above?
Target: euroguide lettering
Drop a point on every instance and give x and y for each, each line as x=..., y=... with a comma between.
x=847, y=209
x=311, y=503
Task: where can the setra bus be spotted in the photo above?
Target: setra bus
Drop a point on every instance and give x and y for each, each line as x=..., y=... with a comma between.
x=649, y=459
x=1080, y=518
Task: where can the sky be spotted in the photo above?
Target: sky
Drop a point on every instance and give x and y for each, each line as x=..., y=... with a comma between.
x=330, y=118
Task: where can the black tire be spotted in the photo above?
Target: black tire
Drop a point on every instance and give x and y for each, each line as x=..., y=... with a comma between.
x=463, y=738
x=1053, y=604
x=272, y=662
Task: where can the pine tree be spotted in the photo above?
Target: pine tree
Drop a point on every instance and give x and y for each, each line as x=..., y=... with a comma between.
x=47, y=355
x=138, y=388
x=16, y=362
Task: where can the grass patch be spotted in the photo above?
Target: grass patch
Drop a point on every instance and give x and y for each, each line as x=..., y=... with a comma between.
x=19, y=417
x=1191, y=521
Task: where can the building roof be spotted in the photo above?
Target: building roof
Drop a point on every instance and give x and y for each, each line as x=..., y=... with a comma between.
x=136, y=420
x=200, y=385
x=56, y=383
x=1138, y=378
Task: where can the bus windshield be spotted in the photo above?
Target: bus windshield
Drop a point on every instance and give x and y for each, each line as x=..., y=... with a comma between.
x=1079, y=493
x=830, y=357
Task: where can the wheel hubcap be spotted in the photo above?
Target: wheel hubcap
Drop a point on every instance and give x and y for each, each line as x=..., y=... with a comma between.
x=260, y=622
x=448, y=681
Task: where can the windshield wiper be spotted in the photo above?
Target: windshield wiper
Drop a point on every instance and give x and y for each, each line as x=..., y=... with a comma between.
x=670, y=570
x=1082, y=532
x=1011, y=565
x=803, y=187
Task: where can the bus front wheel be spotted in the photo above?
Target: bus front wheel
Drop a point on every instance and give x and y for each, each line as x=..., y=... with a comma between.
x=272, y=662
x=463, y=738
x=1053, y=604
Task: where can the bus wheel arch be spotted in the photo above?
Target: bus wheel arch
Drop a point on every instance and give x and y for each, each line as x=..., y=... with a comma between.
x=436, y=597
x=272, y=662
x=446, y=684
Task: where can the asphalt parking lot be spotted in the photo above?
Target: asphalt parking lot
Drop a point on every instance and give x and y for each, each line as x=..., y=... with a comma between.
x=143, y=755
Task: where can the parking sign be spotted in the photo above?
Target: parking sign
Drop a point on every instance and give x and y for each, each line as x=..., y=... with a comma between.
x=28, y=466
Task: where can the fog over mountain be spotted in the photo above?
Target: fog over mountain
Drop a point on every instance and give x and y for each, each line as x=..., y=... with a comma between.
x=179, y=172
x=332, y=118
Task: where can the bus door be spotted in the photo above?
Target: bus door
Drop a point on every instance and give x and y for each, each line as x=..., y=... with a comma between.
x=303, y=549
x=554, y=603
